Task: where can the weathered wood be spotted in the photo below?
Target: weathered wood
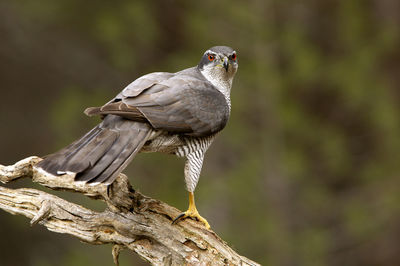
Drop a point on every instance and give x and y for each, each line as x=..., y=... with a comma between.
x=130, y=221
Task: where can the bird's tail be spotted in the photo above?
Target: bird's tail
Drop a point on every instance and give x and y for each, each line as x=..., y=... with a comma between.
x=101, y=154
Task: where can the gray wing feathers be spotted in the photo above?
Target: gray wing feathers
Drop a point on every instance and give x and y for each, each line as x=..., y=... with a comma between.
x=87, y=156
x=103, y=153
x=55, y=162
x=122, y=159
x=143, y=83
x=194, y=108
x=181, y=104
x=117, y=108
x=203, y=110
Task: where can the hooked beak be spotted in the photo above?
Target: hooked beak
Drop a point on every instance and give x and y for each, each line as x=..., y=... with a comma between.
x=226, y=63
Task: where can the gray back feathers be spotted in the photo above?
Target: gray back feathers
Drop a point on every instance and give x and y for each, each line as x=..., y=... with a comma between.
x=184, y=102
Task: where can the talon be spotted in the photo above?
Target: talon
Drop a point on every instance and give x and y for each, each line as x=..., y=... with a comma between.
x=180, y=216
x=192, y=213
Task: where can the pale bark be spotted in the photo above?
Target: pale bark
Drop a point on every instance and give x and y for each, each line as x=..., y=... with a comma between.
x=131, y=220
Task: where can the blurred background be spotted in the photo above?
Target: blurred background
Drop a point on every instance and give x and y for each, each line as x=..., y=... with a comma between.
x=305, y=173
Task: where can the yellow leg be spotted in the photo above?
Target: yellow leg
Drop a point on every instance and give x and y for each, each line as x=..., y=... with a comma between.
x=192, y=212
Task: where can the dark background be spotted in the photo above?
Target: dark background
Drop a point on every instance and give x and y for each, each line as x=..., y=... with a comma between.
x=307, y=170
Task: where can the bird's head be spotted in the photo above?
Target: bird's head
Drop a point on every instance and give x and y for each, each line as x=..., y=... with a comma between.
x=219, y=64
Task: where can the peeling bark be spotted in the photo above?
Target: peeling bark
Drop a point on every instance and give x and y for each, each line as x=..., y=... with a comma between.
x=131, y=220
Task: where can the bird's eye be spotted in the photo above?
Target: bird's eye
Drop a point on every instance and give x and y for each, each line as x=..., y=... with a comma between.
x=211, y=57
x=233, y=56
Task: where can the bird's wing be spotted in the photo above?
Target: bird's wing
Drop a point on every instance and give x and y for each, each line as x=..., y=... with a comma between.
x=178, y=103
x=143, y=83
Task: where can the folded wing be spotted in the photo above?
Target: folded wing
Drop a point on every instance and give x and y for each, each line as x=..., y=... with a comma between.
x=173, y=102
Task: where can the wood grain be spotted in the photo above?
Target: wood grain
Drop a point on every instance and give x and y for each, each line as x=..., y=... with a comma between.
x=130, y=221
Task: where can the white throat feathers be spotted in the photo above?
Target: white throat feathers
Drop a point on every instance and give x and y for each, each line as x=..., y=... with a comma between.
x=220, y=80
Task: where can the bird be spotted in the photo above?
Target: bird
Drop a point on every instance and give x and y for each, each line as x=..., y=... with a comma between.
x=175, y=113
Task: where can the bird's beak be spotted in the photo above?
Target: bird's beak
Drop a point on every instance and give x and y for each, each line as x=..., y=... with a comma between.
x=226, y=63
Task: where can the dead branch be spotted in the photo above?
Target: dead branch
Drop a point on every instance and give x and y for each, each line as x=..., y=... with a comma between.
x=131, y=220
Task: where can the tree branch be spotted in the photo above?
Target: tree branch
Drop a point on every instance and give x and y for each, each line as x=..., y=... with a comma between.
x=131, y=220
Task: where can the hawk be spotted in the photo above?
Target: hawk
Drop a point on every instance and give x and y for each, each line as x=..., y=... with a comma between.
x=176, y=113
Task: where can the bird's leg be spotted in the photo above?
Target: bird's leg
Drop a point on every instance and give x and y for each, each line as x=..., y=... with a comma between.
x=192, y=173
x=192, y=212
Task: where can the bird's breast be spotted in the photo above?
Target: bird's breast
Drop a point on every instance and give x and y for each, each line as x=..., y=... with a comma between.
x=177, y=144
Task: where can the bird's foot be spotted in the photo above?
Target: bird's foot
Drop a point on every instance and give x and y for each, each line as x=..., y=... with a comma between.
x=194, y=214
